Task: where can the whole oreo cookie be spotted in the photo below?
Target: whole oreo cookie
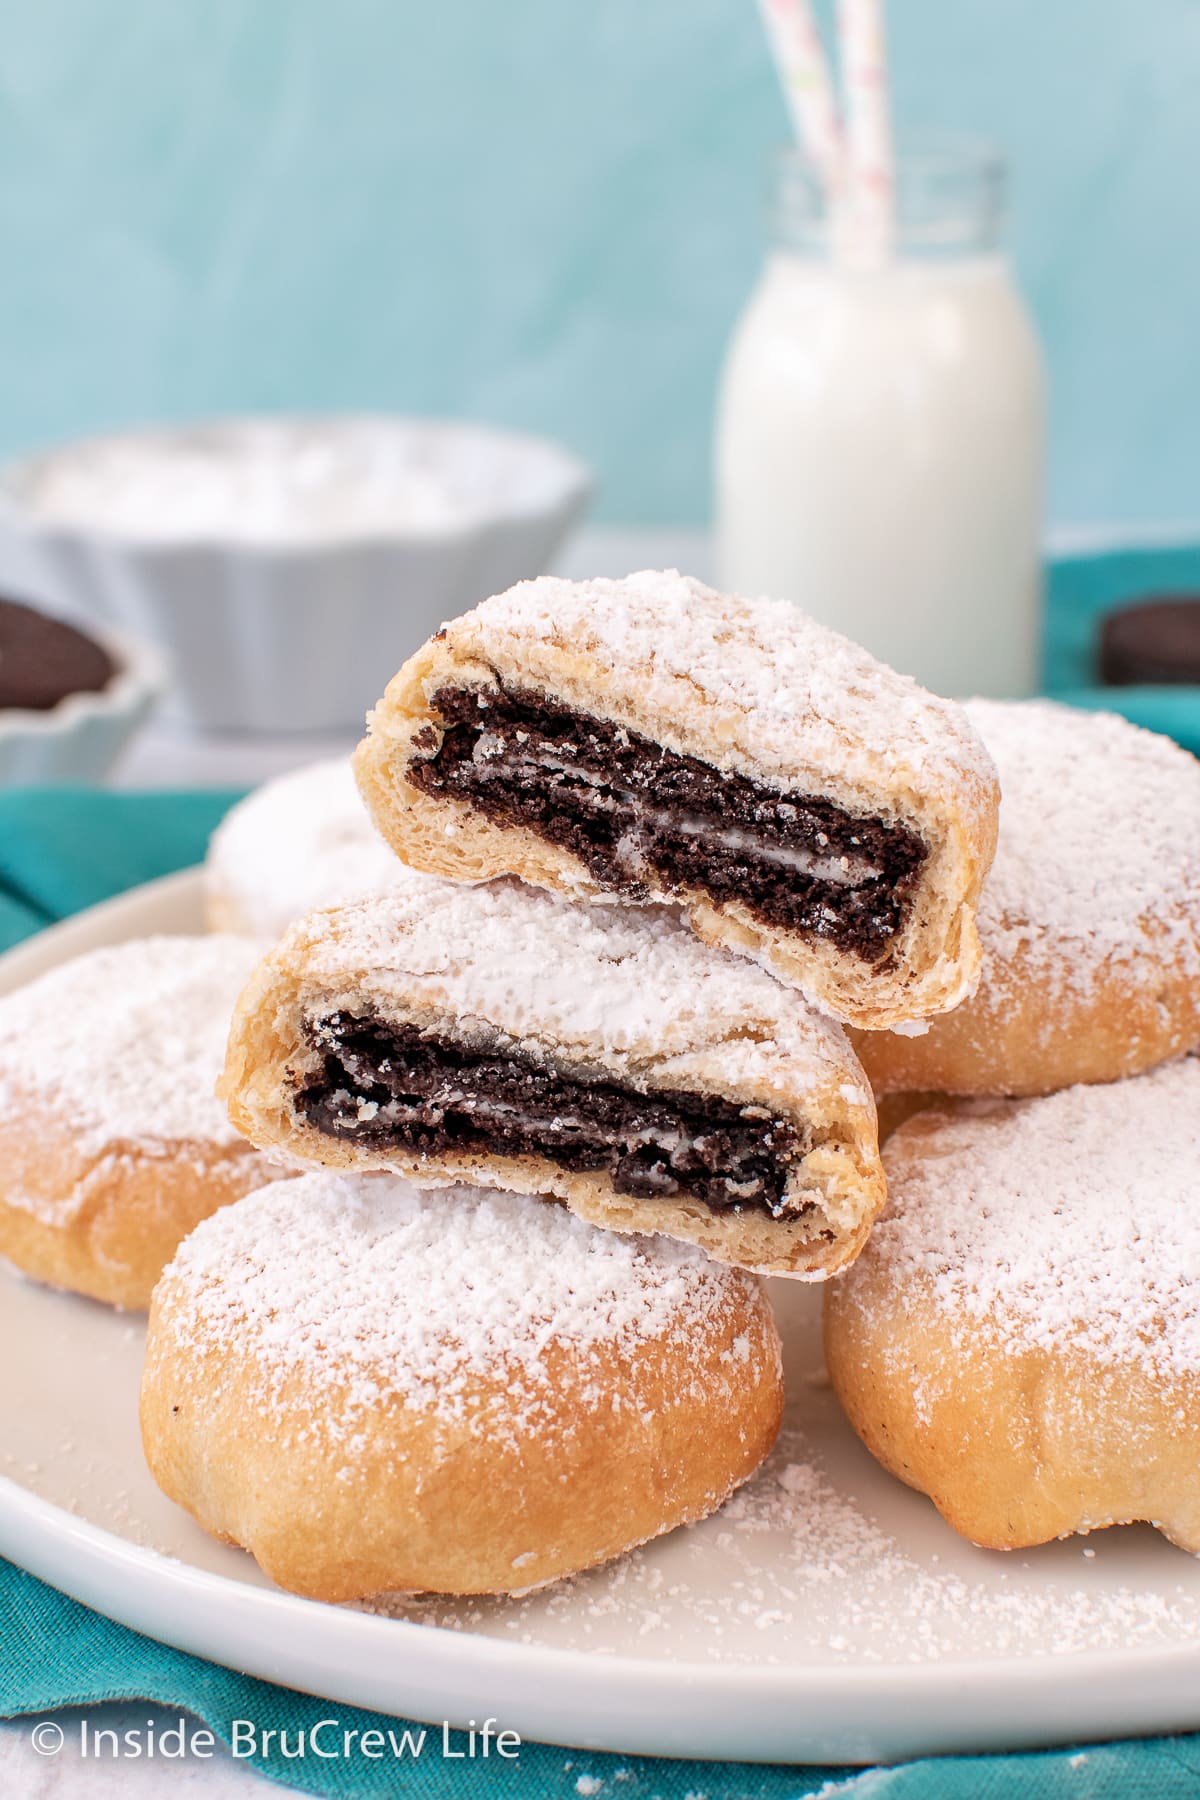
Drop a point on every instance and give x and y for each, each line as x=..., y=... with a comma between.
x=1155, y=641
x=43, y=660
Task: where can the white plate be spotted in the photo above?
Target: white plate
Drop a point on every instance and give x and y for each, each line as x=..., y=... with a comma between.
x=826, y=1615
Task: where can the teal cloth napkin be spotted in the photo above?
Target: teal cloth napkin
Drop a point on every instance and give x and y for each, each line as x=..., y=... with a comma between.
x=57, y=1653
x=63, y=849
x=1079, y=591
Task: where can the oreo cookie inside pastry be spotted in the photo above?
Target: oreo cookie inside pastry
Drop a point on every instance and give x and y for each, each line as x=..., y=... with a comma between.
x=113, y=1144
x=1089, y=920
x=1020, y=1339
x=648, y=740
x=373, y=1388
x=497, y=1033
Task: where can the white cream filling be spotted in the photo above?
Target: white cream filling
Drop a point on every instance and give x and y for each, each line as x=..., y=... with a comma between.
x=487, y=1109
x=840, y=871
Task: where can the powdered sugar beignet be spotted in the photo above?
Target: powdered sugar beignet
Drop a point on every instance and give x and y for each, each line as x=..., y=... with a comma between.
x=113, y=1144
x=301, y=841
x=598, y=1054
x=374, y=1388
x=1020, y=1338
x=1089, y=920
x=648, y=740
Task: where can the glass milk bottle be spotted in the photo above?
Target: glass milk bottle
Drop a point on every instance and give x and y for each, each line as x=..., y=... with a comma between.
x=880, y=430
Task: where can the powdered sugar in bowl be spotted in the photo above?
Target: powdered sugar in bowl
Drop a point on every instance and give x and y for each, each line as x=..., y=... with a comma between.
x=286, y=562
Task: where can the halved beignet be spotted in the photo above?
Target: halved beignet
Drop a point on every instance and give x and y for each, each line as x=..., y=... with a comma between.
x=500, y=1034
x=648, y=740
x=1020, y=1339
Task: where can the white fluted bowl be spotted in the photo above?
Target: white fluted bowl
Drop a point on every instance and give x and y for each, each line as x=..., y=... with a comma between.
x=277, y=625
x=80, y=739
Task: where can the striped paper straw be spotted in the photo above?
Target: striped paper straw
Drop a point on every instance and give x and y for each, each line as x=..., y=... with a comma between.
x=870, y=198
x=807, y=86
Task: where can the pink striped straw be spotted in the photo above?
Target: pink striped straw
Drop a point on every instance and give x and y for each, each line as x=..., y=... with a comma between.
x=870, y=182
x=807, y=87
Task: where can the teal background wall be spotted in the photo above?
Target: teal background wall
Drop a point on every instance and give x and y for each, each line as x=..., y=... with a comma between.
x=546, y=213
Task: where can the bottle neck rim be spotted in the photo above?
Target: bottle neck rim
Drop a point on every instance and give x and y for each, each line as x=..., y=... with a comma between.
x=948, y=202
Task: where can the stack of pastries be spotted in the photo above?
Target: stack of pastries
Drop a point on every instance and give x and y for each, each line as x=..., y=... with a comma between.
x=568, y=1085
x=654, y=892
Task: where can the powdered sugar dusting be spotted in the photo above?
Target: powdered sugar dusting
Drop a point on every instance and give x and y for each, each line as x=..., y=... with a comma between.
x=275, y=481
x=302, y=841
x=1099, y=846
x=821, y=1561
x=796, y=1569
x=126, y=1043
x=369, y=1287
x=1071, y=1222
x=801, y=694
x=606, y=980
